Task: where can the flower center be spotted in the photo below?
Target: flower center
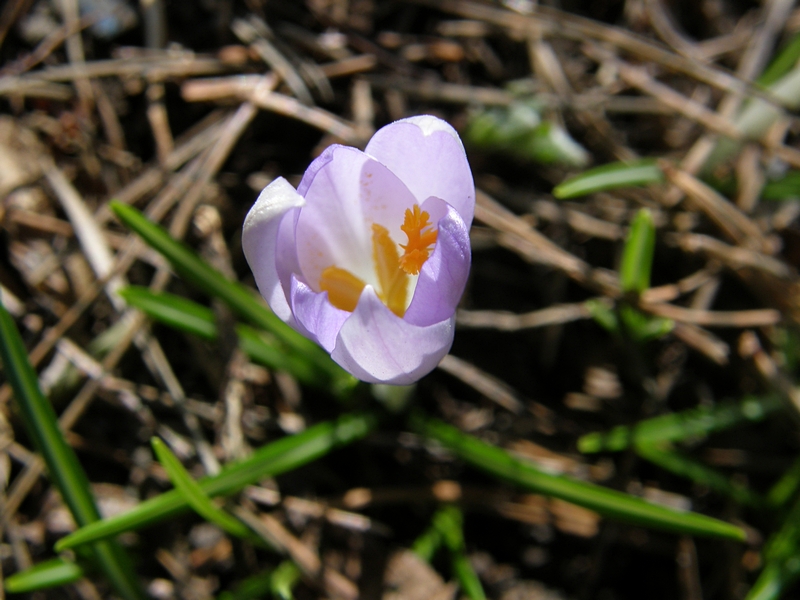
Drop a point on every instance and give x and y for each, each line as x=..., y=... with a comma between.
x=393, y=270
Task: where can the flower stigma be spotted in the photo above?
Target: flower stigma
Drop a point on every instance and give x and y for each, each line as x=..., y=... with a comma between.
x=394, y=271
x=417, y=251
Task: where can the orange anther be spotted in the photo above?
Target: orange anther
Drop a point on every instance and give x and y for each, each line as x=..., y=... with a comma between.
x=420, y=239
x=344, y=288
x=392, y=280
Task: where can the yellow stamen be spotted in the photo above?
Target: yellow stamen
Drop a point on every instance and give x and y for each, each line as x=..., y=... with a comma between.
x=391, y=279
x=344, y=288
x=417, y=251
x=393, y=271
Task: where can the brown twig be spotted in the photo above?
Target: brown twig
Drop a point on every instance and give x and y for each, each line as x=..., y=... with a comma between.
x=703, y=341
x=271, y=530
x=734, y=257
x=734, y=223
x=489, y=386
x=707, y=318
x=506, y=321
x=518, y=235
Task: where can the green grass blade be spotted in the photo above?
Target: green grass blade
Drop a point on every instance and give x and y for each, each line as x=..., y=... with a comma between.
x=273, y=459
x=603, y=314
x=781, y=557
x=284, y=578
x=466, y=576
x=641, y=327
x=756, y=116
x=194, y=495
x=240, y=299
x=279, y=583
x=190, y=317
x=786, y=487
x=785, y=543
x=269, y=354
x=785, y=188
x=609, y=177
x=551, y=144
x=787, y=342
x=427, y=544
x=609, y=503
x=62, y=464
x=450, y=523
x=51, y=573
x=254, y=587
x=685, y=426
x=637, y=255
x=518, y=130
x=42, y=424
x=172, y=310
x=774, y=579
x=634, y=274
x=496, y=128
x=685, y=466
x=783, y=63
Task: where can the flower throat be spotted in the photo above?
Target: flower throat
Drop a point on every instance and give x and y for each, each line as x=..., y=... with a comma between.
x=393, y=270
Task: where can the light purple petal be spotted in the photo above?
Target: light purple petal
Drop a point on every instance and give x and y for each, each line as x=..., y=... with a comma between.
x=384, y=198
x=316, y=317
x=286, y=251
x=347, y=193
x=330, y=230
x=377, y=346
x=427, y=155
x=444, y=275
x=312, y=170
x=259, y=239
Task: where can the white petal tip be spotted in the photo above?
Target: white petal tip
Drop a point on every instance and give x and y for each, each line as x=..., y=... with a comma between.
x=430, y=124
x=273, y=201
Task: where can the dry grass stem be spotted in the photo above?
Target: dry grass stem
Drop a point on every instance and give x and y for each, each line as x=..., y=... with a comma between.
x=159, y=122
x=316, y=117
x=707, y=318
x=505, y=321
x=253, y=32
x=733, y=257
x=494, y=389
x=553, y=22
x=578, y=220
x=213, y=161
x=735, y=224
x=153, y=68
x=671, y=291
x=640, y=79
x=703, y=341
x=275, y=534
x=750, y=347
x=534, y=246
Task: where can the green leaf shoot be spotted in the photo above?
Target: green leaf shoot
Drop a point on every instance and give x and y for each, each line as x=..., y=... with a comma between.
x=609, y=503
x=609, y=177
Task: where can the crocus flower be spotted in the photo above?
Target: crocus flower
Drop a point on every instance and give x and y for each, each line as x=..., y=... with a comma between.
x=370, y=254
